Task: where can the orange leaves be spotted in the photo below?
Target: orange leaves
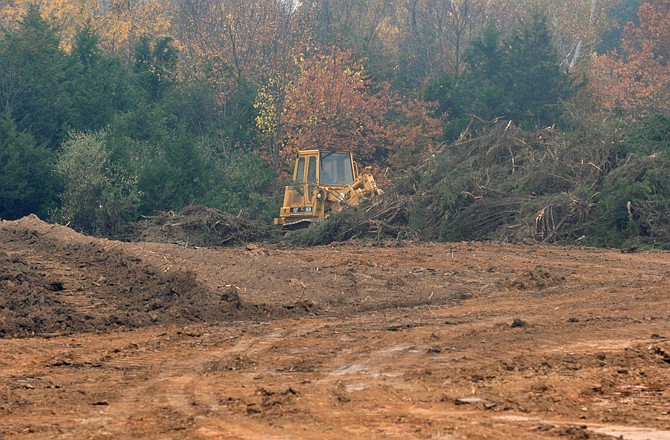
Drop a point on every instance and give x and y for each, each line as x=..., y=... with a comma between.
x=329, y=105
x=414, y=134
x=636, y=80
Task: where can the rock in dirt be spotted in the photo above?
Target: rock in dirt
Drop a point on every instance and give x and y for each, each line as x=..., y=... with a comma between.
x=469, y=400
x=519, y=323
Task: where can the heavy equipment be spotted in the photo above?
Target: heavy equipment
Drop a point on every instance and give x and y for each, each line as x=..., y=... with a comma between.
x=324, y=182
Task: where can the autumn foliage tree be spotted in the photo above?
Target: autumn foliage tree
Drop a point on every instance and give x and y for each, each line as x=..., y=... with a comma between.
x=120, y=23
x=330, y=105
x=232, y=47
x=414, y=133
x=635, y=80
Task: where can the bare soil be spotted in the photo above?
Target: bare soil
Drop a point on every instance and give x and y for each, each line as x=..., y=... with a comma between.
x=105, y=339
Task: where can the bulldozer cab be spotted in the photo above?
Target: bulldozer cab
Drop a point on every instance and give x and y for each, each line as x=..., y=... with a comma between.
x=336, y=169
x=318, y=178
x=327, y=168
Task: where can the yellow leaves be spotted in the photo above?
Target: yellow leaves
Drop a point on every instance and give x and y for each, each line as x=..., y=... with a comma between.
x=68, y=14
x=9, y=16
x=120, y=24
x=124, y=22
x=266, y=104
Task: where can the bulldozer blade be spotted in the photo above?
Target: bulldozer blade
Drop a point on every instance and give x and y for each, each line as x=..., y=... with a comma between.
x=300, y=224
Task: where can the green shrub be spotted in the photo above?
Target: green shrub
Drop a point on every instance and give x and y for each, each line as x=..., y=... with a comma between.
x=98, y=195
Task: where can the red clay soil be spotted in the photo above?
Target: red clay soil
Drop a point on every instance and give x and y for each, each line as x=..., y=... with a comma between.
x=104, y=339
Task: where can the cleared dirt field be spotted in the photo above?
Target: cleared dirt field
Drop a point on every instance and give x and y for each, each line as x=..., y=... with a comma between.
x=104, y=339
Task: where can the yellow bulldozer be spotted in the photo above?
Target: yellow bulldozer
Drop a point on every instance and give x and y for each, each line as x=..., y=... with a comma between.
x=324, y=182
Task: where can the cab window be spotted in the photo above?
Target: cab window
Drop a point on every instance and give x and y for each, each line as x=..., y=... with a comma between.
x=336, y=169
x=300, y=173
x=311, y=170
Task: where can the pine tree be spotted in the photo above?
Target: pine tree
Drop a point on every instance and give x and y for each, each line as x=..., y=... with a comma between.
x=531, y=75
x=518, y=79
x=26, y=183
x=155, y=65
x=33, y=79
x=99, y=86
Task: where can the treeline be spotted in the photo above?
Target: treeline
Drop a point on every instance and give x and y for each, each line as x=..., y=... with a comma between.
x=114, y=110
x=88, y=140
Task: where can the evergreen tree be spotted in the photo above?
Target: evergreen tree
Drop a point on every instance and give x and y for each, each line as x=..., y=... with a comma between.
x=99, y=86
x=531, y=75
x=26, y=182
x=518, y=79
x=33, y=79
x=153, y=145
x=155, y=65
x=483, y=86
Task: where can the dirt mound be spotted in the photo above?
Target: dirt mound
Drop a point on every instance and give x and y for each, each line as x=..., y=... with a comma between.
x=200, y=226
x=28, y=303
x=53, y=280
x=536, y=279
